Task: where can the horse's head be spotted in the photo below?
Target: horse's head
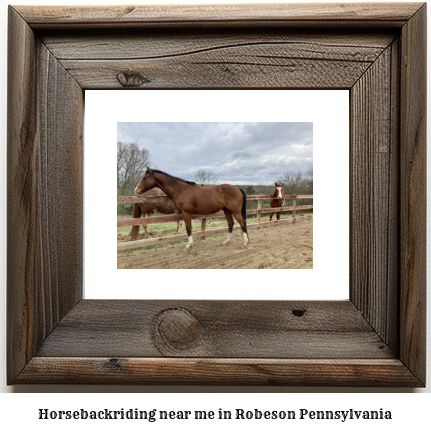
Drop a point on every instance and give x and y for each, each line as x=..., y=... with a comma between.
x=278, y=190
x=147, y=182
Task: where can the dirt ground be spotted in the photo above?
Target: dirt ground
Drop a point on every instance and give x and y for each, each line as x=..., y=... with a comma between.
x=286, y=246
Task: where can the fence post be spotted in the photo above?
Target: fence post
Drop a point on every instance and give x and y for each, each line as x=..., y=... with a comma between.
x=259, y=207
x=203, y=227
x=294, y=210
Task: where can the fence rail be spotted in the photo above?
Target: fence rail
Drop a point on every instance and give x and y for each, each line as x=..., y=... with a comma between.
x=163, y=198
x=204, y=232
x=175, y=218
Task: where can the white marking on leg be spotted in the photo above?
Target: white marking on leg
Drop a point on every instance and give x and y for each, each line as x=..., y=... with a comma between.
x=189, y=244
x=229, y=238
x=245, y=238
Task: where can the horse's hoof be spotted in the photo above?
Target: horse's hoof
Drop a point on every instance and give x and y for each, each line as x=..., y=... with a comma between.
x=244, y=246
x=187, y=249
x=225, y=243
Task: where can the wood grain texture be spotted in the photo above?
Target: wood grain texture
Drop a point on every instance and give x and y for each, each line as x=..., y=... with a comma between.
x=45, y=193
x=198, y=371
x=235, y=329
x=373, y=186
x=21, y=197
x=59, y=184
x=121, y=45
x=300, y=14
x=377, y=51
x=413, y=194
x=228, y=60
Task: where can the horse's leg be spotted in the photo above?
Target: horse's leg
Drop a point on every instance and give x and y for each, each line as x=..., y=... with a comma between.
x=243, y=224
x=188, y=222
x=278, y=215
x=145, y=226
x=134, y=230
x=229, y=219
x=270, y=216
x=179, y=226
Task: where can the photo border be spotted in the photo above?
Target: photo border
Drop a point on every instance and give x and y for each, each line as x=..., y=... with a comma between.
x=376, y=338
x=101, y=120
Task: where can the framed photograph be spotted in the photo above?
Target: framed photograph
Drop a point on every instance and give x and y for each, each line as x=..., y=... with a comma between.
x=375, y=337
x=248, y=142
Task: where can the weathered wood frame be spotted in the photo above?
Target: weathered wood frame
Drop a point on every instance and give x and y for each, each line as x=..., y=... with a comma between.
x=376, y=338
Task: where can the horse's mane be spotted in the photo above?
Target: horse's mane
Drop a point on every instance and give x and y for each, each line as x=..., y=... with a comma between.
x=176, y=178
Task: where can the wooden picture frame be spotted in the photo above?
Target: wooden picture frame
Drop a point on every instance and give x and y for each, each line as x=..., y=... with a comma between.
x=376, y=338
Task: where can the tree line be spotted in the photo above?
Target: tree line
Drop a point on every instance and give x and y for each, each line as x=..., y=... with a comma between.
x=295, y=183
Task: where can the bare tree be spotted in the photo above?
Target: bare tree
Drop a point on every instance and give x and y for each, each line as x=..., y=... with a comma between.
x=205, y=177
x=131, y=164
x=309, y=181
x=292, y=182
x=297, y=183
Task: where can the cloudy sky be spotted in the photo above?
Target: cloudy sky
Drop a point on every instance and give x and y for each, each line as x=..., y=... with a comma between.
x=237, y=153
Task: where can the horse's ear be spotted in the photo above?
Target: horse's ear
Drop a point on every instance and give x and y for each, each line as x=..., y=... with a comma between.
x=149, y=170
x=282, y=184
x=276, y=183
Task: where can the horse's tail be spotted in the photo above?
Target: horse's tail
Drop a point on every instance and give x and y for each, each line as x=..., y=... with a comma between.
x=134, y=230
x=136, y=210
x=244, y=204
x=244, y=211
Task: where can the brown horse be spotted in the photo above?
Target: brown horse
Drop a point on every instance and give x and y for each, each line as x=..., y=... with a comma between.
x=190, y=198
x=277, y=199
x=145, y=210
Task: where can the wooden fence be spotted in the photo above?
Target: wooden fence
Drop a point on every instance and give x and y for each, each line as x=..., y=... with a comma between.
x=173, y=218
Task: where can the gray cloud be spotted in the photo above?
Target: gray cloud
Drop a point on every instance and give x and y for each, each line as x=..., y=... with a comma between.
x=238, y=153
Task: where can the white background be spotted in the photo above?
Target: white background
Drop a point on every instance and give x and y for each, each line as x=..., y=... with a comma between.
x=329, y=112
x=20, y=410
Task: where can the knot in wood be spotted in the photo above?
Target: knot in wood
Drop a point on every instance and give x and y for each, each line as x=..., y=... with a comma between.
x=115, y=363
x=178, y=329
x=131, y=79
x=298, y=312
